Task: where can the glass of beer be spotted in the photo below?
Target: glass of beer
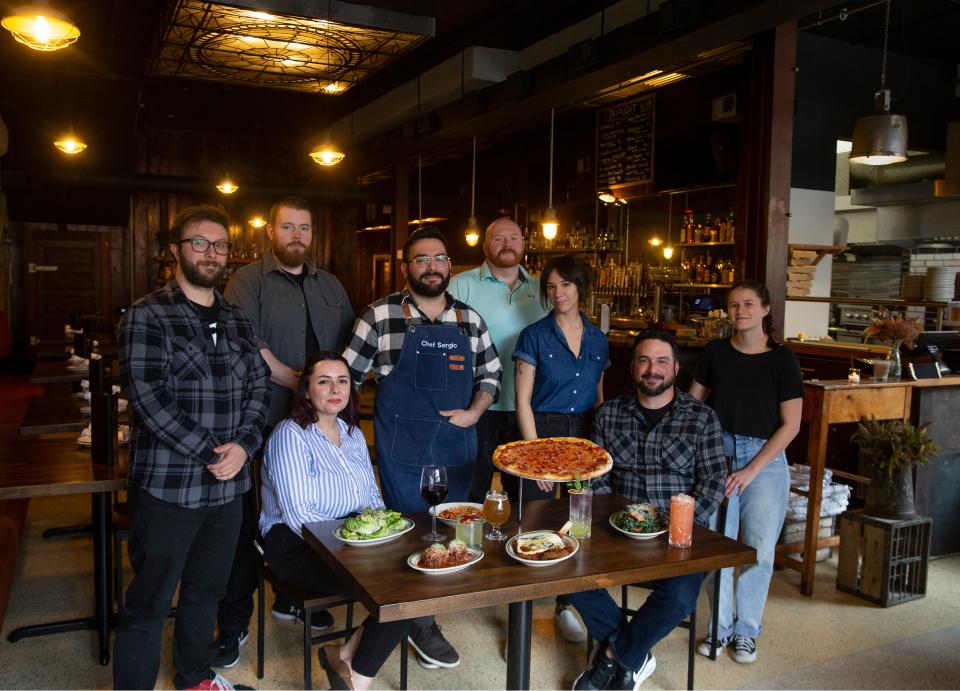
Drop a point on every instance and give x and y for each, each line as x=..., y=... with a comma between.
x=496, y=511
x=681, y=520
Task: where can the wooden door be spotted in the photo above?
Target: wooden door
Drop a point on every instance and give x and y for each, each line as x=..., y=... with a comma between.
x=66, y=273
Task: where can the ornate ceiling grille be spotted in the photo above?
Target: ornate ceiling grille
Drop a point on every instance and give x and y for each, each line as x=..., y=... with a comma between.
x=213, y=42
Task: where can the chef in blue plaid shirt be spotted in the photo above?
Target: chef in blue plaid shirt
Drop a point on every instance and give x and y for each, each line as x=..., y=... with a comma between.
x=663, y=442
x=199, y=391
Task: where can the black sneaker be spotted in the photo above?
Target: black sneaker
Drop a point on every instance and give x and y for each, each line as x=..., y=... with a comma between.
x=319, y=621
x=631, y=679
x=744, y=649
x=433, y=650
x=598, y=675
x=228, y=648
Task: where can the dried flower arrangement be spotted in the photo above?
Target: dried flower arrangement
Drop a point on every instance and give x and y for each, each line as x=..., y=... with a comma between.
x=886, y=327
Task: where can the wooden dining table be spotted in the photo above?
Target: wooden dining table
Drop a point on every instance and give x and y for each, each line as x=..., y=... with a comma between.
x=59, y=411
x=380, y=579
x=57, y=467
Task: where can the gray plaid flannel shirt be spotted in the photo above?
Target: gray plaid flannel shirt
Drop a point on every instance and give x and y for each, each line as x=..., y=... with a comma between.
x=189, y=396
x=682, y=453
x=379, y=333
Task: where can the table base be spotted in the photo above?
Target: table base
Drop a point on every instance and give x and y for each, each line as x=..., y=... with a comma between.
x=518, y=644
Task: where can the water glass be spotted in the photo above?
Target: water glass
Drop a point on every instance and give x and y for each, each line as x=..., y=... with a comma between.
x=470, y=531
x=581, y=512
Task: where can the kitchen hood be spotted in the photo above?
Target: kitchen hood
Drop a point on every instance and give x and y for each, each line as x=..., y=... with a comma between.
x=919, y=192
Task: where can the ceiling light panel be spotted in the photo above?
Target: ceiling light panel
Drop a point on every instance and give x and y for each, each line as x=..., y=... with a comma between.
x=215, y=42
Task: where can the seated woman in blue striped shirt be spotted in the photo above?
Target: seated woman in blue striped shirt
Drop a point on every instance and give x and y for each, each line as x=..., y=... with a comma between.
x=317, y=468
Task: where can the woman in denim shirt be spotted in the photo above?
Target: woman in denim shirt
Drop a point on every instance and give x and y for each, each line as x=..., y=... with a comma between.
x=559, y=364
x=755, y=386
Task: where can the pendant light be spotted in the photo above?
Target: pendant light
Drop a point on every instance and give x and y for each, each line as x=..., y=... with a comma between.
x=327, y=154
x=668, y=248
x=227, y=186
x=472, y=232
x=549, y=221
x=880, y=139
x=40, y=27
x=70, y=144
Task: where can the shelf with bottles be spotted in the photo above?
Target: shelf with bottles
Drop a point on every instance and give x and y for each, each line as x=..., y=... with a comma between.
x=702, y=285
x=707, y=244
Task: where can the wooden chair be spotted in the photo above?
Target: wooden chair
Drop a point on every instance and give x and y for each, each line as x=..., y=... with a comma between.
x=307, y=601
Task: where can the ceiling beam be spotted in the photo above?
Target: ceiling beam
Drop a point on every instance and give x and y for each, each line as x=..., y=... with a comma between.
x=350, y=13
x=653, y=42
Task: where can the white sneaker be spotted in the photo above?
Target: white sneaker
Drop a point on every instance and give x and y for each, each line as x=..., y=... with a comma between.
x=570, y=627
x=706, y=644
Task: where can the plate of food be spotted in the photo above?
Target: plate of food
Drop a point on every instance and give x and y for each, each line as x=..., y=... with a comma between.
x=451, y=512
x=439, y=559
x=640, y=521
x=542, y=547
x=558, y=459
x=372, y=527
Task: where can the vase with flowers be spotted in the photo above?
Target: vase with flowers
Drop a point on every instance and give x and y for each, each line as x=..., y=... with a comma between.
x=893, y=330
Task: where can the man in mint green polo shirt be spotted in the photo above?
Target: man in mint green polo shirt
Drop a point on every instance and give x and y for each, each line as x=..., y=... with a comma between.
x=508, y=299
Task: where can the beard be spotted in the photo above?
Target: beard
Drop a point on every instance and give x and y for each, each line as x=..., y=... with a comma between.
x=655, y=385
x=505, y=259
x=293, y=255
x=192, y=272
x=420, y=287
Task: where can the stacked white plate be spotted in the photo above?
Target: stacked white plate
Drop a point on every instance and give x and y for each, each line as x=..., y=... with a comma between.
x=911, y=286
x=940, y=283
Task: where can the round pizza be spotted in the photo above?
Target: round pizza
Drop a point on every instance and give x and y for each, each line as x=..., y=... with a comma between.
x=556, y=458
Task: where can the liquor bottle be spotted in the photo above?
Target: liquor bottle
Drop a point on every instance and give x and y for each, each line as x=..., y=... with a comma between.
x=708, y=228
x=683, y=228
x=731, y=225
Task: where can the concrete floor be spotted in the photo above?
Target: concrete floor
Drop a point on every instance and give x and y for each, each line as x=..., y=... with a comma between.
x=831, y=640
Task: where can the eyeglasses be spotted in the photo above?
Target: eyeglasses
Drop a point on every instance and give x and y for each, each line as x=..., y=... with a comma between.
x=423, y=260
x=201, y=245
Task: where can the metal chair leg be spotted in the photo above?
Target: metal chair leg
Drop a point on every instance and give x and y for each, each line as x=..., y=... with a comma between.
x=307, y=666
x=692, y=648
x=716, y=615
x=260, y=622
x=404, y=658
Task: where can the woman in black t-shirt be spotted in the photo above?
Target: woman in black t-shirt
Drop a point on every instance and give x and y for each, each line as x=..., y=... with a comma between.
x=755, y=386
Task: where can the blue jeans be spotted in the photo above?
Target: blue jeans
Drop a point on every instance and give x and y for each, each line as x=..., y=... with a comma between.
x=757, y=517
x=670, y=602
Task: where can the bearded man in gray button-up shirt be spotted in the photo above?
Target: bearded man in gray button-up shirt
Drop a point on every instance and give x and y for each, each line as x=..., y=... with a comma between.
x=295, y=309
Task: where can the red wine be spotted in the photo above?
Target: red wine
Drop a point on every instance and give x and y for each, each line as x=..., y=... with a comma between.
x=434, y=494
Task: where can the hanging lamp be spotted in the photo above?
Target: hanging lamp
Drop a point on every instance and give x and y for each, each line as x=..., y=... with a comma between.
x=70, y=144
x=227, y=186
x=668, y=248
x=549, y=221
x=880, y=139
x=326, y=154
x=40, y=27
x=472, y=232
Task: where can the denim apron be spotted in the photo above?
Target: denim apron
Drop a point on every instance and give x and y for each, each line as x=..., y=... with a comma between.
x=434, y=373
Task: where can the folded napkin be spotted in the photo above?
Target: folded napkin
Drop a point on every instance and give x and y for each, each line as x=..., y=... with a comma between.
x=75, y=360
x=85, y=394
x=86, y=436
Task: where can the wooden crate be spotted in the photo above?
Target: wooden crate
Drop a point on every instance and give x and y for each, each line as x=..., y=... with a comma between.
x=883, y=561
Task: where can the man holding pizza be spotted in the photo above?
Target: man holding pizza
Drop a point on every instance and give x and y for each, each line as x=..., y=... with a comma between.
x=663, y=442
x=437, y=371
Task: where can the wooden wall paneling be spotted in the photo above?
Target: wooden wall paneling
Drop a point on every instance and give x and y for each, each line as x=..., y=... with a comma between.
x=400, y=218
x=763, y=191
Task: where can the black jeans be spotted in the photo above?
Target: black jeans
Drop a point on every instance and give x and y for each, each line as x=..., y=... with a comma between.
x=236, y=607
x=294, y=561
x=494, y=428
x=550, y=425
x=170, y=544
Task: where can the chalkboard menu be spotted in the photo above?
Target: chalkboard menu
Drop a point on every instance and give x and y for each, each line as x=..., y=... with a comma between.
x=625, y=143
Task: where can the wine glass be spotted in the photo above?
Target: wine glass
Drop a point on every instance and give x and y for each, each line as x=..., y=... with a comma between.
x=496, y=511
x=433, y=489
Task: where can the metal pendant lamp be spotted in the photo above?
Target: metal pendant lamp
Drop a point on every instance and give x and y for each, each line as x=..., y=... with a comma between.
x=880, y=139
x=472, y=232
x=40, y=27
